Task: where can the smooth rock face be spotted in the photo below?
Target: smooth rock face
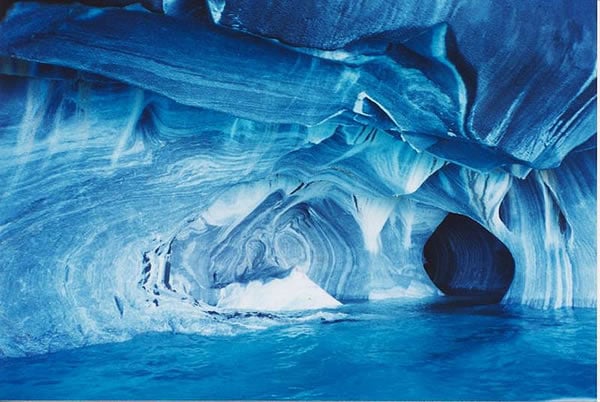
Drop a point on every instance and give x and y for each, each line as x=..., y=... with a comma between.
x=157, y=169
x=526, y=66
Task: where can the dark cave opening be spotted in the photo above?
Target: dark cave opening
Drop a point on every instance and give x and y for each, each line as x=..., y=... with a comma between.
x=464, y=260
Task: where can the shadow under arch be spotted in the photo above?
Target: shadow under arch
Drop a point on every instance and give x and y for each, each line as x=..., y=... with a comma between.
x=465, y=260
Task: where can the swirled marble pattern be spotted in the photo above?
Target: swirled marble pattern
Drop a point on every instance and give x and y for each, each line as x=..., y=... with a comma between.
x=166, y=165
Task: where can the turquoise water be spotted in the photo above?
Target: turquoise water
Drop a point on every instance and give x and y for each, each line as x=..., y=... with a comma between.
x=364, y=351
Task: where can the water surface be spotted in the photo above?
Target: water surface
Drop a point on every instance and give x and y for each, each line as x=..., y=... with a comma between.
x=377, y=350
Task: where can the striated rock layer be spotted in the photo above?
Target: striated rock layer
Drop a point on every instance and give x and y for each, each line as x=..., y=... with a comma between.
x=166, y=165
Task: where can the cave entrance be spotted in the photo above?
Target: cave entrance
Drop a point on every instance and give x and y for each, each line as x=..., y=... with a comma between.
x=465, y=260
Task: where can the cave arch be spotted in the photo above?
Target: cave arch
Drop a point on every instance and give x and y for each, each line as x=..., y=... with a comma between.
x=464, y=259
